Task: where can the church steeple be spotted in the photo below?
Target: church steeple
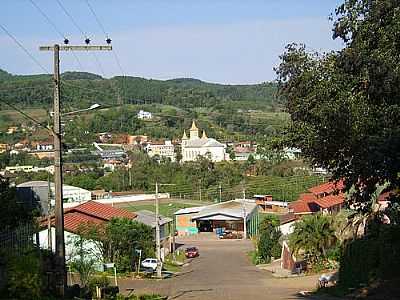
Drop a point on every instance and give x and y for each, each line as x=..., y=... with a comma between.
x=194, y=127
x=184, y=135
x=204, y=136
x=194, y=131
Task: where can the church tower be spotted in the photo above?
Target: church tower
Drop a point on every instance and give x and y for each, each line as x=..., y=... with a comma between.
x=194, y=131
x=184, y=138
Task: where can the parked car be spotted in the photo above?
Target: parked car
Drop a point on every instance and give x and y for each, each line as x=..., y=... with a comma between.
x=150, y=263
x=191, y=252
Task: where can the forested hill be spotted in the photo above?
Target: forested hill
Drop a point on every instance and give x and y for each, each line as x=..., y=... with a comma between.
x=80, y=88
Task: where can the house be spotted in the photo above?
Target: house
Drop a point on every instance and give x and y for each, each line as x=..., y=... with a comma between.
x=43, y=145
x=37, y=194
x=161, y=149
x=12, y=129
x=75, y=218
x=144, y=115
x=194, y=146
x=4, y=148
x=137, y=139
x=228, y=215
x=292, y=153
x=166, y=230
x=266, y=204
x=243, y=153
x=326, y=198
x=286, y=223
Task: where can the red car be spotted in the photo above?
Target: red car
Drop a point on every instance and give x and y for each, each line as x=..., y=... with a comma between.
x=191, y=252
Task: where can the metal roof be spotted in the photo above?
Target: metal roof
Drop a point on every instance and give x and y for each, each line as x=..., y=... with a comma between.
x=149, y=218
x=229, y=210
x=46, y=184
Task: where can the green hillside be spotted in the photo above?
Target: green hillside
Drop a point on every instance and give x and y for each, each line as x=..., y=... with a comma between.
x=80, y=88
x=224, y=111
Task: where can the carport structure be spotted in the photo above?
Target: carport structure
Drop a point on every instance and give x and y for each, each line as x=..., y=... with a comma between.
x=228, y=215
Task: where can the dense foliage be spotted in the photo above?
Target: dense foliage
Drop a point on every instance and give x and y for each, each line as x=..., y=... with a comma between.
x=372, y=257
x=12, y=212
x=116, y=242
x=80, y=89
x=344, y=105
x=268, y=241
x=313, y=236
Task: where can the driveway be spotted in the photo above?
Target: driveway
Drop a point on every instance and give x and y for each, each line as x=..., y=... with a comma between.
x=222, y=272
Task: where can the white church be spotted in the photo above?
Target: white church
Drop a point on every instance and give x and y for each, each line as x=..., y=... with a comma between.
x=194, y=146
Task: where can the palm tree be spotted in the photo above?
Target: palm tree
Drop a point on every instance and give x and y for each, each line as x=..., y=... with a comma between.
x=313, y=236
x=359, y=220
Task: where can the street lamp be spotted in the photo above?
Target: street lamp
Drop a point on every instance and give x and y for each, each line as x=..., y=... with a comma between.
x=91, y=107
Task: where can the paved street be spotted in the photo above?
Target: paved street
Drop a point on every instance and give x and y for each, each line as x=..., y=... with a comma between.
x=222, y=271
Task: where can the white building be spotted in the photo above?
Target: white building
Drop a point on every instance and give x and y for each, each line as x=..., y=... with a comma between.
x=38, y=192
x=292, y=153
x=144, y=115
x=165, y=149
x=194, y=146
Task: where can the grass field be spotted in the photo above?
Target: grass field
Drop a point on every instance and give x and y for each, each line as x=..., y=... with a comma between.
x=12, y=117
x=167, y=208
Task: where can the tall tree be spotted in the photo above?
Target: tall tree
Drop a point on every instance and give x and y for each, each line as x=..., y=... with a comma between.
x=345, y=105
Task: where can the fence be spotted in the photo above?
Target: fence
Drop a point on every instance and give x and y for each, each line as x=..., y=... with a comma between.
x=18, y=240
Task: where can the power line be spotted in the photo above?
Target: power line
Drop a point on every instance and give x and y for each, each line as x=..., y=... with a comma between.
x=71, y=18
x=48, y=20
x=97, y=19
x=24, y=49
x=63, y=36
x=25, y=115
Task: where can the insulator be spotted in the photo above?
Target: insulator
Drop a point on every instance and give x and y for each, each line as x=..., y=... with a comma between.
x=108, y=41
x=66, y=41
x=87, y=41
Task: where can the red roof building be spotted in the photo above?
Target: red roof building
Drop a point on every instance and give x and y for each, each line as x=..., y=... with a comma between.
x=327, y=198
x=90, y=212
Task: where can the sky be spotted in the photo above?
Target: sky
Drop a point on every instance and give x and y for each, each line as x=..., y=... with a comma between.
x=222, y=41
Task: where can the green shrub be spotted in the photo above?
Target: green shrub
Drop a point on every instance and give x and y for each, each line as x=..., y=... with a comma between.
x=24, y=278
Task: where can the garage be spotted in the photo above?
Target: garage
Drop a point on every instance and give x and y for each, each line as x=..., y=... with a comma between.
x=227, y=216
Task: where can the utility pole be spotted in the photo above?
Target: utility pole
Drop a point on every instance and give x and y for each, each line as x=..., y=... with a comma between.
x=61, y=274
x=244, y=215
x=220, y=193
x=158, y=242
x=49, y=234
x=158, y=238
x=200, y=190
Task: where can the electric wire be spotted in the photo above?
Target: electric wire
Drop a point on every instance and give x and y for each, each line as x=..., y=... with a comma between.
x=26, y=115
x=72, y=19
x=24, y=49
x=63, y=36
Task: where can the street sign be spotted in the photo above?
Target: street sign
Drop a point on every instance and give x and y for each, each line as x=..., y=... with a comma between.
x=109, y=265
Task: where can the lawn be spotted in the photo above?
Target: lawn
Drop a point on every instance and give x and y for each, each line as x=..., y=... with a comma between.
x=167, y=209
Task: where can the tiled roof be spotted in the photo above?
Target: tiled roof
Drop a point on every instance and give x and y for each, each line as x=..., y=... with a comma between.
x=283, y=219
x=101, y=211
x=308, y=197
x=303, y=207
x=330, y=200
x=89, y=212
x=74, y=221
x=328, y=187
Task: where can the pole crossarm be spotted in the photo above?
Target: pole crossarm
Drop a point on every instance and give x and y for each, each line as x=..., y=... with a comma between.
x=76, y=48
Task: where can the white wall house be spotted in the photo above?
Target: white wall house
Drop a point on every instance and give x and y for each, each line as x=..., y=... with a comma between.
x=194, y=146
x=144, y=115
x=166, y=150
